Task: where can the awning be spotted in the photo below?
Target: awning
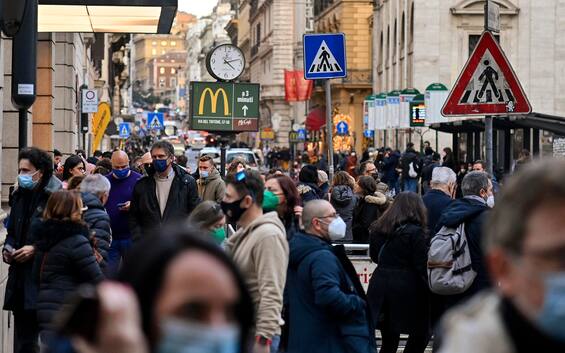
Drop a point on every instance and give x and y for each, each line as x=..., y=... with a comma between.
x=316, y=119
x=106, y=16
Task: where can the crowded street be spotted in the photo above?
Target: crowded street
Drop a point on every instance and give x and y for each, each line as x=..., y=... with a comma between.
x=266, y=176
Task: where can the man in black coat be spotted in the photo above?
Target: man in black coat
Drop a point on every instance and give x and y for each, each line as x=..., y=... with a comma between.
x=427, y=171
x=411, y=168
x=471, y=210
x=35, y=184
x=169, y=194
x=443, y=184
x=95, y=190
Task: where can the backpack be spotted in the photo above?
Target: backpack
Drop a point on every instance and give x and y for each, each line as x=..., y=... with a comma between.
x=449, y=262
x=412, y=171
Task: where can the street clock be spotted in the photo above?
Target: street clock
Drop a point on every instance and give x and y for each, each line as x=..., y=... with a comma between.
x=225, y=62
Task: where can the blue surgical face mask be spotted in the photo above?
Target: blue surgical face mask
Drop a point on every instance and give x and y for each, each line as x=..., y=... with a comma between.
x=181, y=336
x=160, y=165
x=25, y=181
x=204, y=174
x=121, y=173
x=551, y=318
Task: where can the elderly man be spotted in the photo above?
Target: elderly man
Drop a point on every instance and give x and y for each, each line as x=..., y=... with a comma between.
x=443, y=184
x=326, y=301
x=95, y=190
x=122, y=181
x=470, y=210
x=525, y=248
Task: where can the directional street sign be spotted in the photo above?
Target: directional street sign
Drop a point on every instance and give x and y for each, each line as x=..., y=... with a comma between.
x=369, y=133
x=342, y=128
x=124, y=130
x=155, y=121
x=217, y=106
x=487, y=85
x=324, y=56
x=302, y=134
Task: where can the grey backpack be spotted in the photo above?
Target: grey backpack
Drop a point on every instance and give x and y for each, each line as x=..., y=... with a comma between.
x=449, y=262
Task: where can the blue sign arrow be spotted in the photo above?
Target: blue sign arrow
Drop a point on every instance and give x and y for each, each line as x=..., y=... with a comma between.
x=302, y=134
x=324, y=56
x=369, y=133
x=342, y=128
x=124, y=130
x=156, y=121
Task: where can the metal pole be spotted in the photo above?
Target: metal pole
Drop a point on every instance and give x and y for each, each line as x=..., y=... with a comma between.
x=22, y=129
x=489, y=143
x=223, y=159
x=329, y=128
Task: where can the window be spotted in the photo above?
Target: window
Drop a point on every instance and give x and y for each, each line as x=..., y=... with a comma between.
x=173, y=43
x=402, y=34
x=154, y=52
x=164, y=43
x=154, y=43
x=162, y=71
x=474, y=40
x=161, y=82
x=163, y=52
x=173, y=82
x=381, y=52
x=395, y=43
x=258, y=35
x=387, y=44
x=173, y=71
x=411, y=41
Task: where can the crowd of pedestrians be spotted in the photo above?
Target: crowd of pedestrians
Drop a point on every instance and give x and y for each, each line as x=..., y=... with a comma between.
x=178, y=262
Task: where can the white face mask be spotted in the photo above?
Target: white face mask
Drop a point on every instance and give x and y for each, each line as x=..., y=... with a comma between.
x=337, y=229
x=490, y=201
x=180, y=336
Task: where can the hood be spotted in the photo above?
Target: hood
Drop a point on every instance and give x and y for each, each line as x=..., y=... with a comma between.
x=302, y=245
x=214, y=175
x=377, y=198
x=91, y=201
x=342, y=195
x=267, y=218
x=460, y=211
x=51, y=232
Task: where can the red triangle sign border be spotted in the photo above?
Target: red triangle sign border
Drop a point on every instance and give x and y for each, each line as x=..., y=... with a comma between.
x=453, y=107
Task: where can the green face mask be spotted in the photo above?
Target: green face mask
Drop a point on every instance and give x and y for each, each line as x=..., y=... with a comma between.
x=219, y=235
x=270, y=201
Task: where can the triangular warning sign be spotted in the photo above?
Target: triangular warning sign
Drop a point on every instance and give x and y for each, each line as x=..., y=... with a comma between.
x=124, y=131
x=487, y=85
x=324, y=61
x=155, y=123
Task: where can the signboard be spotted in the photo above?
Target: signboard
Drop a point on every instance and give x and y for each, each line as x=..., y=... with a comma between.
x=89, y=101
x=487, y=85
x=418, y=111
x=369, y=134
x=100, y=122
x=156, y=121
x=267, y=134
x=324, y=56
x=436, y=95
x=221, y=106
x=124, y=130
x=297, y=136
x=342, y=128
x=492, y=16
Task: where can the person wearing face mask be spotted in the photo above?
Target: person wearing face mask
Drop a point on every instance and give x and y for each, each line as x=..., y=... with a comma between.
x=36, y=183
x=471, y=210
x=122, y=182
x=524, y=249
x=398, y=291
x=327, y=304
x=208, y=215
x=168, y=195
x=211, y=187
x=288, y=206
x=260, y=249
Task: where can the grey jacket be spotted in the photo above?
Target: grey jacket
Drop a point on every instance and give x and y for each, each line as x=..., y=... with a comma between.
x=212, y=188
x=344, y=201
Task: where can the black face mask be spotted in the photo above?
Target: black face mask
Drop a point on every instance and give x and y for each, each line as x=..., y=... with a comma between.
x=233, y=210
x=148, y=169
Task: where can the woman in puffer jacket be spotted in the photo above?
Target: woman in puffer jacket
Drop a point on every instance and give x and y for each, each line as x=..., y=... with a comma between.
x=370, y=206
x=65, y=258
x=344, y=200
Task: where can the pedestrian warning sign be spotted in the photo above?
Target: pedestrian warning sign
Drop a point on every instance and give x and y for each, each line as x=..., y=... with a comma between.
x=155, y=121
x=487, y=85
x=324, y=56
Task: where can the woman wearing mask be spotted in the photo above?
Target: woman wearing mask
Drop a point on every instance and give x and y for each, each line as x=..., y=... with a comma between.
x=181, y=294
x=398, y=290
x=288, y=208
x=35, y=184
x=344, y=200
x=370, y=205
x=65, y=257
x=74, y=166
x=208, y=215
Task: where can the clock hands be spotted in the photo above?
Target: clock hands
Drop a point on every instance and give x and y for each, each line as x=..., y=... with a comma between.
x=228, y=62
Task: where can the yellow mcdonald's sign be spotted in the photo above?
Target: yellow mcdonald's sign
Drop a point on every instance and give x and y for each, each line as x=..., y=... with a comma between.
x=214, y=100
x=100, y=122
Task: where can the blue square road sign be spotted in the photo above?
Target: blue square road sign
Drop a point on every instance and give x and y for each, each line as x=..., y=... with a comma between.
x=124, y=130
x=324, y=56
x=155, y=121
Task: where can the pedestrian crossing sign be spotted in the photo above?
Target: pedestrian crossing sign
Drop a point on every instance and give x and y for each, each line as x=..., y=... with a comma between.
x=324, y=56
x=155, y=121
x=487, y=85
x=124, y=130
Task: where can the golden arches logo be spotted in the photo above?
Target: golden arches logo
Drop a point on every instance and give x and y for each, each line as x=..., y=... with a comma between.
x=214, y=100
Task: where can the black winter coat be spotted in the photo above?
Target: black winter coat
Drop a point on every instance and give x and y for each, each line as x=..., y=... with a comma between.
x=308, y=192
x=344, y=201
x=367, y=211
x=398, y=290
x=26, y=209
x=98, y=222
x=145, y=214
x=410, y=156
x=65, y=259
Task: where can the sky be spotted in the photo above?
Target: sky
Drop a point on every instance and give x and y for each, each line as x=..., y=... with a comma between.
x=197, y=7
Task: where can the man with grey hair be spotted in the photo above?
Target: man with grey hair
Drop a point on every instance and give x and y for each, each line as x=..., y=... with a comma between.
x=327, y=304
x=470, y=210
x=443, y=184
x=524, y=249
x=95, y=190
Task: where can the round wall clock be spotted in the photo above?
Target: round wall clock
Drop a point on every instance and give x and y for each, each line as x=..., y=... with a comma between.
x=225, y=62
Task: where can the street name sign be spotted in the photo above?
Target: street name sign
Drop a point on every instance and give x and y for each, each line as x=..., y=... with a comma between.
x=487, y=85
x=224, y=106
x=324, y=56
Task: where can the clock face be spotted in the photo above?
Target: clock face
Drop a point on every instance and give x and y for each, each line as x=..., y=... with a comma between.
x=226, y=62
